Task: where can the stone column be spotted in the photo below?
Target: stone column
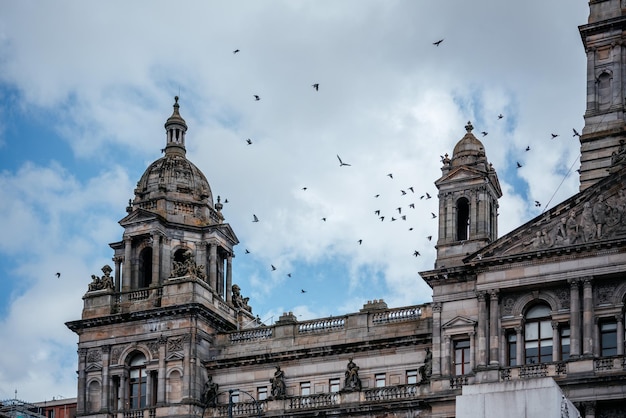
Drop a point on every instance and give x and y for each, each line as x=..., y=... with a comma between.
x=162, y=341
x=229, y=278
x=81, y=401
x=555, y=342
x=156, y=259
x=617, y=99
x=482, y=325
x=519, y=346
x=124, y=401
x=446, y=355
x=213, y=267
x=494, y=316
x=590, y=409
x=186, y=392
x=117, y=278
x=472, y=352
x=574, y=319
x=473, y=216
x=105, y=402
x=587, y=317
x=126, y=273
x=620, y=333
x=438, y=350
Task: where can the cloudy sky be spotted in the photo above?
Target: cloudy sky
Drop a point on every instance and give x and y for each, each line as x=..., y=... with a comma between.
x=85, y=88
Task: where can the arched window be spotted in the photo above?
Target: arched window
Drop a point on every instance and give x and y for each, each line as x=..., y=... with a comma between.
x=137, y=383
x=462, y=219
x=538, y=335
x=145, y=268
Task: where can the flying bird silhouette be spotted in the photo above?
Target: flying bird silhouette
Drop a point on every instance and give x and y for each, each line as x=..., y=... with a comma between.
x=247, y=251
x=377, y=212
x=519, y=165
x=341, y=163
x=500, y=116
x=257, y=97
x=412, y=205
x=254, y=218
x=403, y=192
x=438, y=42
x=324, y=219
x=273, y=268
x=554, y=135
x=485, y=133
x=433, y=215
x=399, y=210
x=58, y=275
x=390, y=175
x=427, y=195
x=360, y=241
x=316, y=86
x=302, y=291
x=537, y=204
x=249, y=141
x=429, y=238
x=235, y=51
x=416, y=253
x=411, y=189
x=528, y=148
x=575, y=132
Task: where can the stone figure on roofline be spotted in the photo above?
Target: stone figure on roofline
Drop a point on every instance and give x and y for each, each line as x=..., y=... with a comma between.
x=209, y=395
x=352, y=381
x=279, y=389
x=426, y=370
x=104, y=282
x=239, y=301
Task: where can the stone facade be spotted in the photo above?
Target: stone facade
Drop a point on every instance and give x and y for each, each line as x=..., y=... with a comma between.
x=170, y=334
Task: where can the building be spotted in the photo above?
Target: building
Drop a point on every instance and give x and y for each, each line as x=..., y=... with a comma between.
x=56, y=408
x=540, y=309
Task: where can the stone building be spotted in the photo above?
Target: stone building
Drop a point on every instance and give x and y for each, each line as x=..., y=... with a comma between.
x=538, y=309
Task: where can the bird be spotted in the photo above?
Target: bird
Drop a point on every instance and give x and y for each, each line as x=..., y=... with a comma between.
x=519, y=165
x=257, y=97
x=438, y=42
x=247, y=251
x=390, y=175
x=377, y=212
x=403, y=192
x=225, y=200
x=316, y=86
x=304, y=188
x=485, y=133
x=382, y=218
x=528, y=148
x=399, y=210
x=377, y=195
x=500, y=116
x=427, y=195
x=58, y=275
x=162, y=150
x=249, y=141
x=324, y=219
x=288, y=274
x=360, y=241
x=254, y=218
x=554, y=135
x=537, y=204
x=341, y=163
x=273, y=268
x=403, y=217
x=412, y=205
x=411, y=189
x=429, y=238
x=416, y=253
x=433, y=215
x=235, y=51
x=393, y=219
x=302, y=291
x=575, y=132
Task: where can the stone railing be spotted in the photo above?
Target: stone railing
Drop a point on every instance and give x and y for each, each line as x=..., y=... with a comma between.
x=140, y=413
x=533, y=370
x=320, y=400
x=243, y=408
x=391, y=392
x=529, y=371
x=397, y=315
x=608, y=364
x=322, y=325
x=255, y=334
x=140, y=294
x=456, y=382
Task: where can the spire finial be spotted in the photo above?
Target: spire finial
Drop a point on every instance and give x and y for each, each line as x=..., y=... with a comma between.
x=469, y=127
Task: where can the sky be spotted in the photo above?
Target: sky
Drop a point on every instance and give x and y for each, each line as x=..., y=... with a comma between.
x=85, y=88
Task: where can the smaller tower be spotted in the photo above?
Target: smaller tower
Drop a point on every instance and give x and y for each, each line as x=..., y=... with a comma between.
x=468, y=202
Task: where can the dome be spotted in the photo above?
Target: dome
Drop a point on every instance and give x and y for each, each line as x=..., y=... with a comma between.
x=173, y=186
x=469, y=150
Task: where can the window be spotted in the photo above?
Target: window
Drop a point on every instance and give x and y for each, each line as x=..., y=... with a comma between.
x=608, y=338
x=538, y=335
x=137, y=382
x=261, y=393
x=511, y=341
x=305, y=388
x=411, y=377
x=564, y=335
x=334, y=385
x=462, y=219
x=145, y=267
x=461, y=357
x=380, y=380
x=50, y=413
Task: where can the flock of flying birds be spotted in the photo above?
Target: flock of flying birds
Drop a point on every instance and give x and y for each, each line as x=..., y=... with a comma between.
x=400, y=213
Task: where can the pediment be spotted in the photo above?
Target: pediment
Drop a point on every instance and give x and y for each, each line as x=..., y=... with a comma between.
x=140, y=216
x=459, y=322
x=461, y=173
x=93, y=367
x=594, y=216
x=177, y=355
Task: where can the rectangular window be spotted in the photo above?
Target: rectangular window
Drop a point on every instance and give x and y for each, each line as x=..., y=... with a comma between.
x=411, y=377
x=51, y=413
x=608, y=338
x=380, y=380
x=511, y=340
x=564, y=335
x=261, y=393
x=305, y=388
x=461, y=357
x=334, y=385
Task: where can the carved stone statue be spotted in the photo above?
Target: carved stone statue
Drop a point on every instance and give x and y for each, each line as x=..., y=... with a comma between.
x=239, y=301
x=102, y=283
x=209, y=395
x=352, y=380
x=426, y=370
x=188, y=267
x=279, y=389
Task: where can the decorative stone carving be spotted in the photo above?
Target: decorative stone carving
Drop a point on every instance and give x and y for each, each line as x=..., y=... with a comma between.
x=563, y=295
x=102, y=283
x=279, y=388
x=174, y=344
x=94, y=356
x=239, y=301
x=426, y=370
x=153, y=346
x=507, y=304
x=352, y=381
x=188, y=267
x=116, y=352
x=604, y=293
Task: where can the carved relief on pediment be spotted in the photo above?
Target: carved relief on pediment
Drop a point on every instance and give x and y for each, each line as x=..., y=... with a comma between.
x=601, y=217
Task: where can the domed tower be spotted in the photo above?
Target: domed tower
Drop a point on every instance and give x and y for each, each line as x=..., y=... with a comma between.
x=468, y=202
x=145, y=331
